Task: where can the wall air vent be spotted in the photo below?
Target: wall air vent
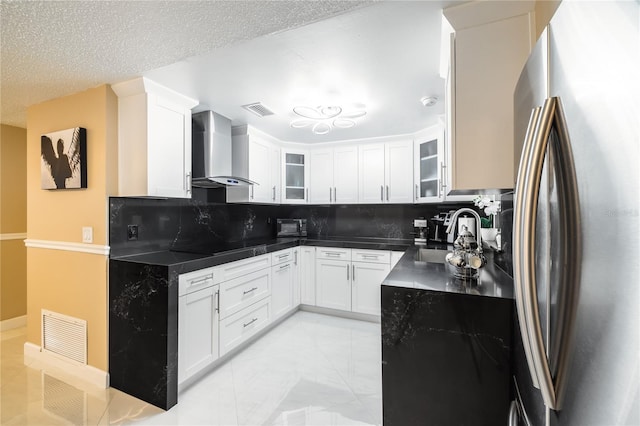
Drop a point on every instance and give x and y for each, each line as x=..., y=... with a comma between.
x=258, y=109
x=64, y=336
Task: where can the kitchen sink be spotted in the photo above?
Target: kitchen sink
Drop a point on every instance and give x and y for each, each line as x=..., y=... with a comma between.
x=431, y=255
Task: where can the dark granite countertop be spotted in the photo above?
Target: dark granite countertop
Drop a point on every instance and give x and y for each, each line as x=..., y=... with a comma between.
x=193, y=258
x=410, y=273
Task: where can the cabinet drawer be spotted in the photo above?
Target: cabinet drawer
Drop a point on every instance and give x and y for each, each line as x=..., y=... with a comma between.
x=243, y=291
x=281, y=256
x=196, y=280
x=237, y=328
x=371, y=256
x=241, y=267
x=331, y=253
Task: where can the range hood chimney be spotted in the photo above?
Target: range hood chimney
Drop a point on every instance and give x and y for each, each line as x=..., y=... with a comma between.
x=211, y=152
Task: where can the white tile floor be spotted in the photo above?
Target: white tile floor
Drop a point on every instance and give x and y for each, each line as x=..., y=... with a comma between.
x=311, y=369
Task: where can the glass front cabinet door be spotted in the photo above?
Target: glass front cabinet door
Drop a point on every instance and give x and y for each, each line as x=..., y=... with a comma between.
x=295, y=177
x=429, y=168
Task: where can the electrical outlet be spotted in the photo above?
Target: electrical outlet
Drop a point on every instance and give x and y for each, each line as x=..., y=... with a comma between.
x=87, y=234
x=132, y=232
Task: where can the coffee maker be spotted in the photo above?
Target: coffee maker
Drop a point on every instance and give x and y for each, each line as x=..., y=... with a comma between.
x=420, y=233
x=438, y=231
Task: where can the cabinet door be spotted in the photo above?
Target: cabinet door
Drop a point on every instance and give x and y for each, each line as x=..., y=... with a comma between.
x=345, y=175
x=428, y=170
x=197, y=331
x=238, y=293
x=399, y=172
x=333, y=284
x=365, y=288
x=295, y=276
x=321, y=176
x=260, y=171
x=240, y=327
x=282, y=289
x=308, y=275
x=168, y=149
x=371, y=173
x=275, y=171
x=295, y=176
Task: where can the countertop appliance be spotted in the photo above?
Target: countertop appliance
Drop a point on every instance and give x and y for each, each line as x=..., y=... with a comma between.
x=211, y=152
x=291, y=227
x=577, y=293
x=421, y=229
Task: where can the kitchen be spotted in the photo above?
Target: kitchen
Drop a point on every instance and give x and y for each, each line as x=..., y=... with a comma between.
x=386, y=221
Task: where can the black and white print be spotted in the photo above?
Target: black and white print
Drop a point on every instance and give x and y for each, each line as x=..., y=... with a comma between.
x=63, y=162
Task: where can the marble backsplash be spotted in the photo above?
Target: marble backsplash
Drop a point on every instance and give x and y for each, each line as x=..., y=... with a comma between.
x=172, y=223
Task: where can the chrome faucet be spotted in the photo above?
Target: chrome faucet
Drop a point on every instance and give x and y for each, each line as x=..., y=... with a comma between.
x=454, y=220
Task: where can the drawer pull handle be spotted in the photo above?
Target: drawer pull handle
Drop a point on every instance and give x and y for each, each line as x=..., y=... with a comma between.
x=285, y=266
x=375, y=256
x=249, y=291
x=332, y=253
x=201, y=280
x=250, y=322
x=280, y=256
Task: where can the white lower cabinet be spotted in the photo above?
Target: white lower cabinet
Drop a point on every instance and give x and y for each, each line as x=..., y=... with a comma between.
x=365, y=286
x=295, y=273
x=197, y=323
x=282, y=289
x=308, y=275
x=238, y=293
x=333, y=284
x=238, y=328
x=352, y=281
x=222, y=307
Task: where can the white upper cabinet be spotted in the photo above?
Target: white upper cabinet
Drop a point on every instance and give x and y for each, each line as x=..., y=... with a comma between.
x=295, y=176
x=256, y=158
x=371, y=173
x=334, y=175
x=491, y=45
x=154, y=140
x=386, y=172
x=431, y=168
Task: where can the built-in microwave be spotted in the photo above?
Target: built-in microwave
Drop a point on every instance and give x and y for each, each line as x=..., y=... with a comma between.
x=291, y=227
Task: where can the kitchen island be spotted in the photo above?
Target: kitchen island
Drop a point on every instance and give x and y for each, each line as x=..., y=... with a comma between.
x=446, y=345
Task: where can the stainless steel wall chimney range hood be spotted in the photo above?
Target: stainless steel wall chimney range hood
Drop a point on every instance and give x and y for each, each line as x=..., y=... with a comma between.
x=211, y=152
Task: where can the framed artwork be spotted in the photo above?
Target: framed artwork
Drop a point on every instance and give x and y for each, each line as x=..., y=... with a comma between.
x=63, y=159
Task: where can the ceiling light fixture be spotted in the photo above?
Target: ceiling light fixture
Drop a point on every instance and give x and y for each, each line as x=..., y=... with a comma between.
x=323, y=119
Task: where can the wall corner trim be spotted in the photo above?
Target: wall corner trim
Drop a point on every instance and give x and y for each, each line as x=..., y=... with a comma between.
x=34, y=357
x=14, y=236
x=67, y=246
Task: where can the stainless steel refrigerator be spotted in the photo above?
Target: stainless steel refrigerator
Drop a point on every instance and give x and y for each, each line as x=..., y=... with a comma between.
x=576, y=231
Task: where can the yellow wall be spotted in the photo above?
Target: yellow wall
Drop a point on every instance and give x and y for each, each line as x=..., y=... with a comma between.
x=72, y=283
x=13, y=220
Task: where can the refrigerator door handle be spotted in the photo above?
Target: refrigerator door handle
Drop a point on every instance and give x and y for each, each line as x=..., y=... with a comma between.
x=523, y=172
x=552, y=389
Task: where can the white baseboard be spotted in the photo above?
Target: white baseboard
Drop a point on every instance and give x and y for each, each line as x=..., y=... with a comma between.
x=86, y=373
x=11, y=323
x=340, y=313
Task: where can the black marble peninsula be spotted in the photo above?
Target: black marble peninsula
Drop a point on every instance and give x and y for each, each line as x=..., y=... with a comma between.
x=143, y=307
x=446, y=345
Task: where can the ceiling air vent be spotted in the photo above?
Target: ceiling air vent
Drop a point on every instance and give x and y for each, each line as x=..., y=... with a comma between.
x=258, y=109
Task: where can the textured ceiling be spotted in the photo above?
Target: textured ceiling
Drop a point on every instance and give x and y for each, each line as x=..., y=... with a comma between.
x=55, y=48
